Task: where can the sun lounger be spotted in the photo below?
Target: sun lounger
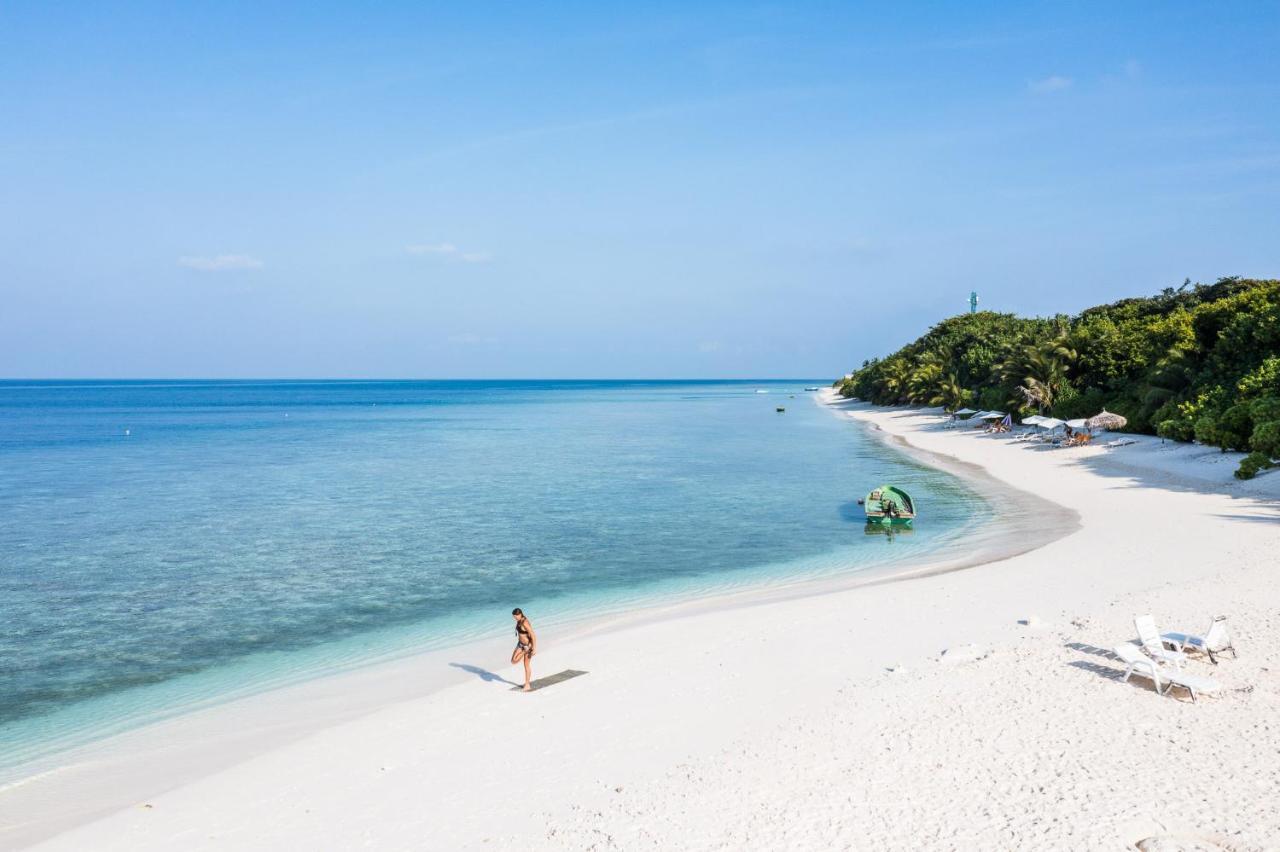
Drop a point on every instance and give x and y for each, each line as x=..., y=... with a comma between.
x=1195, y=684
x=1140, y=664
x=1149, y=638
x=1214, y=641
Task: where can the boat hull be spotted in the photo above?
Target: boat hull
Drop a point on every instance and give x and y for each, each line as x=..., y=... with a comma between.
x=889, y=505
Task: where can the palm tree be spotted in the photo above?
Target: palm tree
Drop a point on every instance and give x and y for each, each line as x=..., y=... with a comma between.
x=1172, y=374
x=897, y=380
x=924, y=379
x=1040, y=371
x=950, y=393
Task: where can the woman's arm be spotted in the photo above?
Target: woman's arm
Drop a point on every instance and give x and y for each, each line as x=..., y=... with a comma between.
x=533, y=638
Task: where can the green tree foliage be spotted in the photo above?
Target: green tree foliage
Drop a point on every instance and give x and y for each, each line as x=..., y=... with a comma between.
x=1195, y=362
x=950, y=394
x=1038, y=373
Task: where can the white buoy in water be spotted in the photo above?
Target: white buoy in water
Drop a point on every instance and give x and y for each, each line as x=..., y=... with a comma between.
x=126, y=433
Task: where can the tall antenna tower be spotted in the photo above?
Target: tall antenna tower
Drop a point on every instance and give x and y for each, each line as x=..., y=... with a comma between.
x=973, y=301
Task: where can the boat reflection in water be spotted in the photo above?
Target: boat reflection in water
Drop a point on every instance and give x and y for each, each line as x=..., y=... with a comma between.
x=889, y=531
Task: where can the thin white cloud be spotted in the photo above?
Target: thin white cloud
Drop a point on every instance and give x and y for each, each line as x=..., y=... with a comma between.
x=1050, y=84
x=220, y=263
x=471, y=340
x=448, y=250
x=433, y=248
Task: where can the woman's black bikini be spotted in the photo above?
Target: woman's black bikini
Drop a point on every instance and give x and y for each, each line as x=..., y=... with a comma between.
x=522, y=636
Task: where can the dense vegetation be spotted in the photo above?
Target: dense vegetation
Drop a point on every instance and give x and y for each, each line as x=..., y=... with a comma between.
x=1197, y=362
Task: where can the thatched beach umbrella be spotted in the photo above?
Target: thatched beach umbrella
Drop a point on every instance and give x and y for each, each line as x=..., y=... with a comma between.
x=1106, y=421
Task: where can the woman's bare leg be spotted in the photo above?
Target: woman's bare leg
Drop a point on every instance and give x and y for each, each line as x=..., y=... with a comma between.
x=519, y=655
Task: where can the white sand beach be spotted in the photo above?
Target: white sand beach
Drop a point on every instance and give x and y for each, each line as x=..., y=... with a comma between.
x=816, y=721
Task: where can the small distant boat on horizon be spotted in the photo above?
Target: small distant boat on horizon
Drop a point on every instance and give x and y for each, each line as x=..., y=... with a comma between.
x=889, y=505
x=760, y=390
x=813, y=389
x=781, y=409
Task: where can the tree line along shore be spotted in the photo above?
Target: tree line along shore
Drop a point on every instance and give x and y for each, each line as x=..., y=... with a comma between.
x=1198, y=362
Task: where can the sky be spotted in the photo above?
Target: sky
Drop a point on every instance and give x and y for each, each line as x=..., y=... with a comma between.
x=608, y=190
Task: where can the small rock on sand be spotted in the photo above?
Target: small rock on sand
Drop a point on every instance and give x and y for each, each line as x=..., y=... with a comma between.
x=1030, y=621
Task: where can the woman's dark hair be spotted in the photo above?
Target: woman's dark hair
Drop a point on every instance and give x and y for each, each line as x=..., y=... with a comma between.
x=517, y=611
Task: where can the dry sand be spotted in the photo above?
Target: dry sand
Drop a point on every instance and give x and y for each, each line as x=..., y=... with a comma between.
x=779, y=724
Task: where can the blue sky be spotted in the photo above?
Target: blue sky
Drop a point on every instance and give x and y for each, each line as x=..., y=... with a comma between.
x=608, y=190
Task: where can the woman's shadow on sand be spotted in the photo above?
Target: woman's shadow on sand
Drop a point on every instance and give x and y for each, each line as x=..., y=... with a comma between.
x=484, y=674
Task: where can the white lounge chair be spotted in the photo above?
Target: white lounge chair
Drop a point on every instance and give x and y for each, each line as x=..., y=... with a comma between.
x=1214, y=641
x=1149, y=639
x=1140, y=664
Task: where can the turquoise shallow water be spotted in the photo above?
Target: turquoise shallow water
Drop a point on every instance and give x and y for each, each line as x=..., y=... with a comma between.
x=167, y=544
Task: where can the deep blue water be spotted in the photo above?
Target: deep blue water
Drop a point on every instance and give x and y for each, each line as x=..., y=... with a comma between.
x=164, y=543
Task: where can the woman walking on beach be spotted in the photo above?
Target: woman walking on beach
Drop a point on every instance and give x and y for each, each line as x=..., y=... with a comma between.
x=526, y=644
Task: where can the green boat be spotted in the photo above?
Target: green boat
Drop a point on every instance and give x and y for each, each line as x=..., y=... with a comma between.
x=889, y=505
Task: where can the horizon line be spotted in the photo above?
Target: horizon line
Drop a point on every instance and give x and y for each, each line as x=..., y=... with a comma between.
x=404, y=379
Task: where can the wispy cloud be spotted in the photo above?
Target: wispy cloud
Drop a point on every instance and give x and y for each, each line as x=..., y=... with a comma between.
x=1050, y=84
x=220, y=263
x=433, y=248
x=450, y=251
x=471, y=340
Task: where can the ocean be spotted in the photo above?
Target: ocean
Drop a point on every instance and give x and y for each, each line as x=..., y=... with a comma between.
x=167, y=544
